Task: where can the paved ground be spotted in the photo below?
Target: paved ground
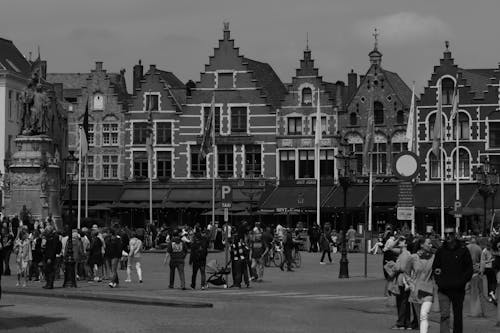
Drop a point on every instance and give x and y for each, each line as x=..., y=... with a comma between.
x=310, y=298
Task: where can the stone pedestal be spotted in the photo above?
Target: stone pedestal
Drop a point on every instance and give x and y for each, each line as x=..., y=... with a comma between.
x=33, y=179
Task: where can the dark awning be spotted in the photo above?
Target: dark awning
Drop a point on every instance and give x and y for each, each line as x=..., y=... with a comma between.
x=287, y=197
x=142, y=194
x=205, y=195
x=97, y=192
x=429, y=195
x=384, y=194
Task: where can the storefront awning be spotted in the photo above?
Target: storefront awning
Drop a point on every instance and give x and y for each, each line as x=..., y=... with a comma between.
x=98, y=192
x=286, y=197
x=142, y=194
x=384, y=194
x=429, y=195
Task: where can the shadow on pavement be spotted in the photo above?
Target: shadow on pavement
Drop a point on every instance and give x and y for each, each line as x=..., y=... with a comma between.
x=9, y=322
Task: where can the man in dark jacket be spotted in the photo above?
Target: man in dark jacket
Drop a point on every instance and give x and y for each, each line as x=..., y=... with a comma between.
x=452, y=270
x=115, y=252
x=177, y=251
x=51, y=246
x=198, y=257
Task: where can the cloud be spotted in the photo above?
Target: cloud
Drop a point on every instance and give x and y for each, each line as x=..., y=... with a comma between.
x=405, y=28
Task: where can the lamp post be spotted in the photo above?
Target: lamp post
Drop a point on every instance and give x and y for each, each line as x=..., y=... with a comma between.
x=346, y=177
x=300, y=202
x=487, y=182
x=70, y=164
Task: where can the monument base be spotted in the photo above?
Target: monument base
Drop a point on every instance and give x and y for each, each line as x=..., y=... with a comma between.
x=33, y=179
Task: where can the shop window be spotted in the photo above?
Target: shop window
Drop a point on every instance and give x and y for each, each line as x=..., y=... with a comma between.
x=306, y=164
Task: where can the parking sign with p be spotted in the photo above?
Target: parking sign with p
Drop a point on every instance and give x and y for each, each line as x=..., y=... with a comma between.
x=227, y=196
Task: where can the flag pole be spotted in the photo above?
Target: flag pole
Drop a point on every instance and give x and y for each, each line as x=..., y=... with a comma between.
x=213, y=160
x=441, y=157
x=457, y=161
x=86, y=188
x=318, y=162
x=370, y=181
x=79, y=206
x=414, y=147
x=150, y=167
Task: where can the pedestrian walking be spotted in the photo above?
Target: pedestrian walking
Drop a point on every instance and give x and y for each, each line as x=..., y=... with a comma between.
x=487, y=269
x=258, y=252
x=22, y=249
x=77, y=248
x=351, y=238
x=95, y=256
x=452, y=269
x=314, y=236
x=403, y=270
x=134, y=257
x=287, y=250
x=176, y=251
x=8, y=245
x=198, y=257
x=37, y=262
x=51, y=247
x=476, y=282
x=239, y=257
x=325, y=243
x=115, y=253
x=423, y=286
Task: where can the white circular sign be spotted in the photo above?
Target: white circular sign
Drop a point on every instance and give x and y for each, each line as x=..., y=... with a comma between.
x=406, y=165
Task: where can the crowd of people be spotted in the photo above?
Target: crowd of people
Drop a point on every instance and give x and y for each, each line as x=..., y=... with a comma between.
x=425, y=274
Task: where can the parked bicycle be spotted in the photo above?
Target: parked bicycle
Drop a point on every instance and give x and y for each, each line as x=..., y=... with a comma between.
x=275, y=254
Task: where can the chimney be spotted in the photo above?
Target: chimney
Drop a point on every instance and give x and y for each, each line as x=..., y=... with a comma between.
x=447, y=52
x=352, y=83
x=152, y=68
x=137, y=76
x=338, y=95
x=190, y=85
x=227, y=32
x=98, y=66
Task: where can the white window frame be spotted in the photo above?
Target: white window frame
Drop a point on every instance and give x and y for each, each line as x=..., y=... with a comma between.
x=110, y=164
x=110, y=133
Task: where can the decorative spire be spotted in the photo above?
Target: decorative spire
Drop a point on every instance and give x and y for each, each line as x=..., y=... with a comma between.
x=38, y=46
x=226, y=25
x=375, y=36
x=226, y=30
x=447, y=45
x=307, y=41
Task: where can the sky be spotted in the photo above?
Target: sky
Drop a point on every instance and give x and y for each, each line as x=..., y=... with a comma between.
x=180, y=35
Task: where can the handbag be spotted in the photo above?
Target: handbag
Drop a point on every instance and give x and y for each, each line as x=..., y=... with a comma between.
x=393, y=287
x=425, y=286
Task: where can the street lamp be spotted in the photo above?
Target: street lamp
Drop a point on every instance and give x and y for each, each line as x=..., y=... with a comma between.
x=300, y=203
x=487, y=182
x=346, y=177
x=70, y=166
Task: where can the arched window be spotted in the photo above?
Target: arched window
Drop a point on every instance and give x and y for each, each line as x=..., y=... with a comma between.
x=378, y=113
x=447, y=86
x=353, y=119
x=306, y=96
x=432, y=122
x=435, y=168
x=463, y=127
x=463, y=164
x=400, y=117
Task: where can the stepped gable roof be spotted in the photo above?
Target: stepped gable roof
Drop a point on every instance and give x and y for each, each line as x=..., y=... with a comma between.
x=175, y=87
x=478, y=79
x=74, y=82
x=172, y=80
x=12, y=60
x=269, y=80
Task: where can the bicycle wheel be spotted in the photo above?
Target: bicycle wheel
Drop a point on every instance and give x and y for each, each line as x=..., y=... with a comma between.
x=277, y=259
x=267, y=260
x=297, y=259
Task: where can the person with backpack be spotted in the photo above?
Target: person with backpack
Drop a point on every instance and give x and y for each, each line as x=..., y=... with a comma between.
x=176, y=251
x=198, y=257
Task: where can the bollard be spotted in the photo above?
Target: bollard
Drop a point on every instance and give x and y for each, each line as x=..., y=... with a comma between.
x=476, y=290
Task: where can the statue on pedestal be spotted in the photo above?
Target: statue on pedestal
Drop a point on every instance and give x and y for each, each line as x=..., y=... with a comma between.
x=35, y=111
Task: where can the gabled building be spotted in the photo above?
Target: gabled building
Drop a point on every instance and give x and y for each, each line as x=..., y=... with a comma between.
x=478, y=131
x=296, y=123
x=162, y=93
x=247, y=96
x=105, y=95
x=389, y=97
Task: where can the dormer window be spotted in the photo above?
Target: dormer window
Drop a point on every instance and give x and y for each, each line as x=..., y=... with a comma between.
x=447, y=87
x=98, y=102
x=152, y=102
x=307, y=96
x=400, y=117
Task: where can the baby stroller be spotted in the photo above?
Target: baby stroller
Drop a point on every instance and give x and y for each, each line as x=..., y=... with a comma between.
x=217, y=273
